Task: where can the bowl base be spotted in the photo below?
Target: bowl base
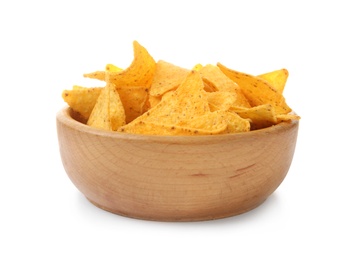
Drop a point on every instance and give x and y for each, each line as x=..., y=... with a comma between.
x=184, y=218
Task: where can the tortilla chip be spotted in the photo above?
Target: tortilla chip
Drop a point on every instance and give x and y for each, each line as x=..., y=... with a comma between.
x=257, y=91
x=277, y=79
x=139, y=73
x=167, y=77
x=260, y=116
x=82, y=100
x=108, y=112
x=214, y=77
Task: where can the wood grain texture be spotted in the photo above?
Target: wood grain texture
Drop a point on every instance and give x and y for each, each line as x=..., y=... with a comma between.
x=176, y=178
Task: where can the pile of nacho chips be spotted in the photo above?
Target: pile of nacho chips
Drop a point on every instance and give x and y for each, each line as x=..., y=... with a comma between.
x=160, y=98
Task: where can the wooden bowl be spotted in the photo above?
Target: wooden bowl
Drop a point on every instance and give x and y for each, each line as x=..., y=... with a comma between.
x=177, y=178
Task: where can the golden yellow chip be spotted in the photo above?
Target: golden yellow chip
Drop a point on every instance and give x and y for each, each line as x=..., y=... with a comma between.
x=235, y=123
x=257, y=91
x=260, y=116
x=139, y=73
x=287, y=117
x=101, y=75
x=108, y=112
x=134, y=99
x=167, y=77
x=214, y=77
x=117, y=113
x=151, y=128
x=112, y=68
x=277, y=78
x=220, y=100
x=82, y=100
x=197, y=67
x=187, y=101
x=181, y=107
x=100, y=117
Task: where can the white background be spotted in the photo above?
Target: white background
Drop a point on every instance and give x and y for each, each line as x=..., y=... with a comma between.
x=46, y=46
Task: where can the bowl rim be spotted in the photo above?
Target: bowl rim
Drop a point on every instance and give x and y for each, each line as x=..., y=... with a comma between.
x=64, y=116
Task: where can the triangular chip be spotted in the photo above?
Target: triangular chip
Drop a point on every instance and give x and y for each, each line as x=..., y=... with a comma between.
x=182, y=108
x=108, y=112
x=287, y=117
x=235, y=123
x=214, y=77
x=117, y=113
x=134, y=99
x=260, y=116
x=277, y=78
x=101, y=75
x=139, y=73
x=100, y=116
x=167, y=77
x=220, y=100
x=208, y=124
x=82, y=100
x=257, y=91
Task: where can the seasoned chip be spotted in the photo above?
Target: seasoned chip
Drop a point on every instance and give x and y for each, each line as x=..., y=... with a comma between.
x=108, y=112
x=220, y=100
x=197, y=67
x=117, y=113
x=214, y=77
x=277, y=78
x=209, y=124
x=287, y=117
x=257, y=91
x=112, y=68
x=167, y=77
x=134, y=99
x=100, y=116
x=82, y=100
x=187, y=101
x=260, y=116
x=235, y=123
x=184, y=107
x=101, y=75
x=139, y=73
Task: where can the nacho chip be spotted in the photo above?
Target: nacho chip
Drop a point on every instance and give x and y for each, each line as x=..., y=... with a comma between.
x=139, y=73
x=151, y=128
x=287, y=117
x=108, y=112
x=260, y=116
x=181, y=107
x=112, y=68
x=208, y=124
x=167, y=77
x=257, y=91
x=277, y=79
x=100, y=117
x=214, y=77
x=220, y=100
x=134, y=99
x=235, y=123
x=117, y=113
x=101, y=75
x=197, y=67
x=187, y=101
x=82, y=100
